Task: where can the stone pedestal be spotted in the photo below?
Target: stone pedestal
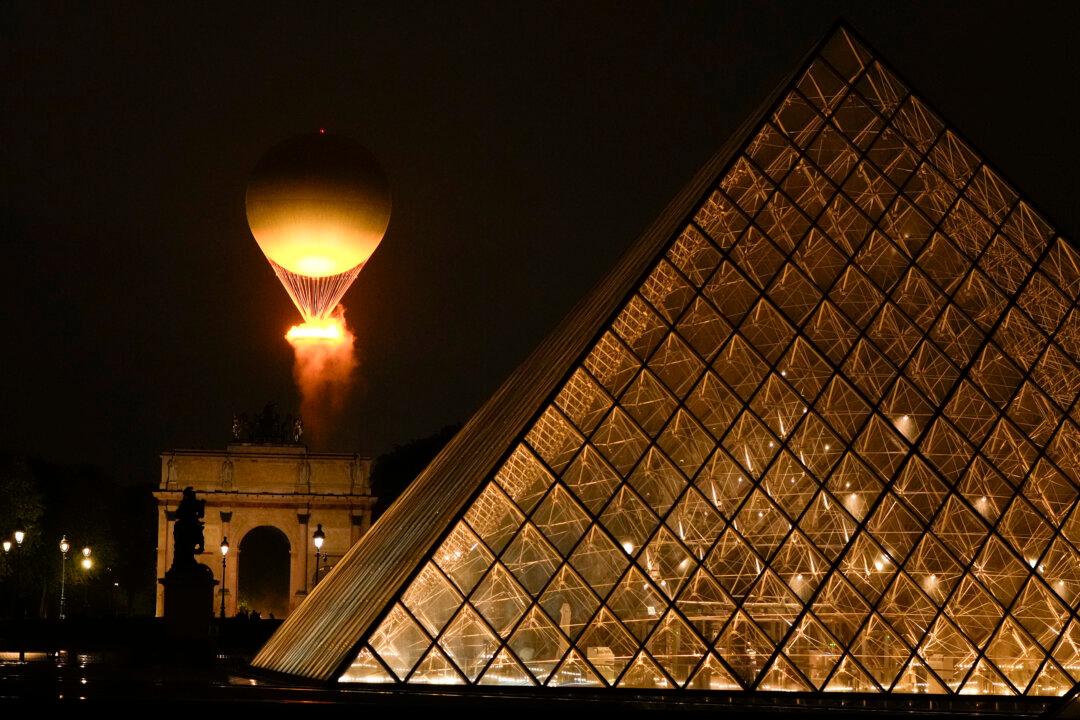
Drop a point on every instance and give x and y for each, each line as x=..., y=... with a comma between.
x=189, y=601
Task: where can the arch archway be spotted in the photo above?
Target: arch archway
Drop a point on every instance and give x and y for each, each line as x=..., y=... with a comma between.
x=263, y=572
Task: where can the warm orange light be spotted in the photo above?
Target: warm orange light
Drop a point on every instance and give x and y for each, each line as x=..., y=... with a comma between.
x=330, y=331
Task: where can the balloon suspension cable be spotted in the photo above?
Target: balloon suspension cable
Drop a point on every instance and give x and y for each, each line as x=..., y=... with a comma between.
x=316, y=297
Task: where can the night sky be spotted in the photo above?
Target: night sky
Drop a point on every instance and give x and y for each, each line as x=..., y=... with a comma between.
x=527, y=147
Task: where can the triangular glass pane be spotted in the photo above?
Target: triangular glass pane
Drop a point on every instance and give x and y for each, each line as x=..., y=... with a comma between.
x=366, y=669
x=667, y=562
x=772, y=606
x=1015, y=654
x=500, y=599
x=1040, y=613
x=432, y=599
x=637, y=604
x=561, y=519
x=531, y=559
x=607, y=646
x=744, y=647
x=505, y=670
x=676, y=648
x=917, y=679
x=639, y=327
x=629, y=520
x=463, y=558
x=538, y=644
x=713, y=404
x=880, y=650
x=1051, y=681
x=949, y=654
x=724, y=483
x=695, y=523
x=598, y=561
x=782, y=677
x=712, y=675
x=554, y=439
x=800, y=565
x=686, y=442
x=574, y=672
x=583, y=401
x=611, y=363
x=676, y=365
x=569, y=602
x=849, y=677
x=694, y=255
x=704, y=603
x=908, y=609
x=813, y=650
x=1067, y=652
x=667, y=291
x=828, y=526
x=657, y=481
x=591, y=478
x=620, y=441
x=648, y=402
x=469, y=642
x=643, y=673
x=524, y=478
x=399, y=641
x=494, y=517
x=985, y=680
x=436, y=669
x=840, y=608
x=762, y=524
x=868, y=567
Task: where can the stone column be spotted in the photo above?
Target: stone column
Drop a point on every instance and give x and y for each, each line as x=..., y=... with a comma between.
x=303, y=518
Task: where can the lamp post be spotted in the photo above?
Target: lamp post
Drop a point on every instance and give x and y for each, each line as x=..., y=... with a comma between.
x=224, y=554
x=20, y=535
x=86, y=563
x=65, y=546
x=319, y=537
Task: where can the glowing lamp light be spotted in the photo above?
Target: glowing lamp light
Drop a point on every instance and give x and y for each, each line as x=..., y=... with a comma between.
x=65, y=546
x=7, y=546
x=19, y=537
x=86, y=551
x=319, y=537
x=628, y=547
x=87, y=563
x=224, y=546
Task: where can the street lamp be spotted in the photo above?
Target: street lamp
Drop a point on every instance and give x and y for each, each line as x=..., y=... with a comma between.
x=65, y=546
x=224, y=554
x=19, y=537
x=87, y=563
x=7, y=546
x=319, y=537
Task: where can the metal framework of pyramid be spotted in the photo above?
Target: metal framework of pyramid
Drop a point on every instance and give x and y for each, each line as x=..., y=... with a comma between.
x=818, y=431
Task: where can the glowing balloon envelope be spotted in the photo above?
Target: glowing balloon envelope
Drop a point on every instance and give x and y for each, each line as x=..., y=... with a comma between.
x=318, y=206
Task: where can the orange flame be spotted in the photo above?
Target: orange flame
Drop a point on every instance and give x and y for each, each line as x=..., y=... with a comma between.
x=325, y=359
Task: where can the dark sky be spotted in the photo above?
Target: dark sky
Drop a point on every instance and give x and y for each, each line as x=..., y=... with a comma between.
x=527, y=144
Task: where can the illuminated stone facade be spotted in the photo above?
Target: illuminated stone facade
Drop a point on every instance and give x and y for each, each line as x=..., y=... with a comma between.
x=255, y=485
x=818, y=431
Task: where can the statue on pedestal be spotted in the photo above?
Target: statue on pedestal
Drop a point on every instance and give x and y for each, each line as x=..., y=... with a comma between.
x=189, y=585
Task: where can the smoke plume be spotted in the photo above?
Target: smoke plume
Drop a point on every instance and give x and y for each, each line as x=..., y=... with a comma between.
x=324, y=362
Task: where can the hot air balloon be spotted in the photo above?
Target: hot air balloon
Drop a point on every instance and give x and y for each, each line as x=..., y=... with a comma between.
x=318, y=206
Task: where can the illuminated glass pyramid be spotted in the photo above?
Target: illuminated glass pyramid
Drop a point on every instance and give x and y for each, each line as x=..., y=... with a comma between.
x=818, y=431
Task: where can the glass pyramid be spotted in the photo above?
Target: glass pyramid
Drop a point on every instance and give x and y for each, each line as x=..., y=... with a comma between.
x=830, y=443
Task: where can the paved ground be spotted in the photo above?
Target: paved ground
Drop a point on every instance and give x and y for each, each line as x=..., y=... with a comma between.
x=101, y=679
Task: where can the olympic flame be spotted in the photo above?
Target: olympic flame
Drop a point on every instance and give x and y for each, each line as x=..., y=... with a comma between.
x=324, y=362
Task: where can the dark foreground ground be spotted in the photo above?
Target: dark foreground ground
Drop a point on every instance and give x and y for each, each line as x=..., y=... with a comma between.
x=105, y=665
